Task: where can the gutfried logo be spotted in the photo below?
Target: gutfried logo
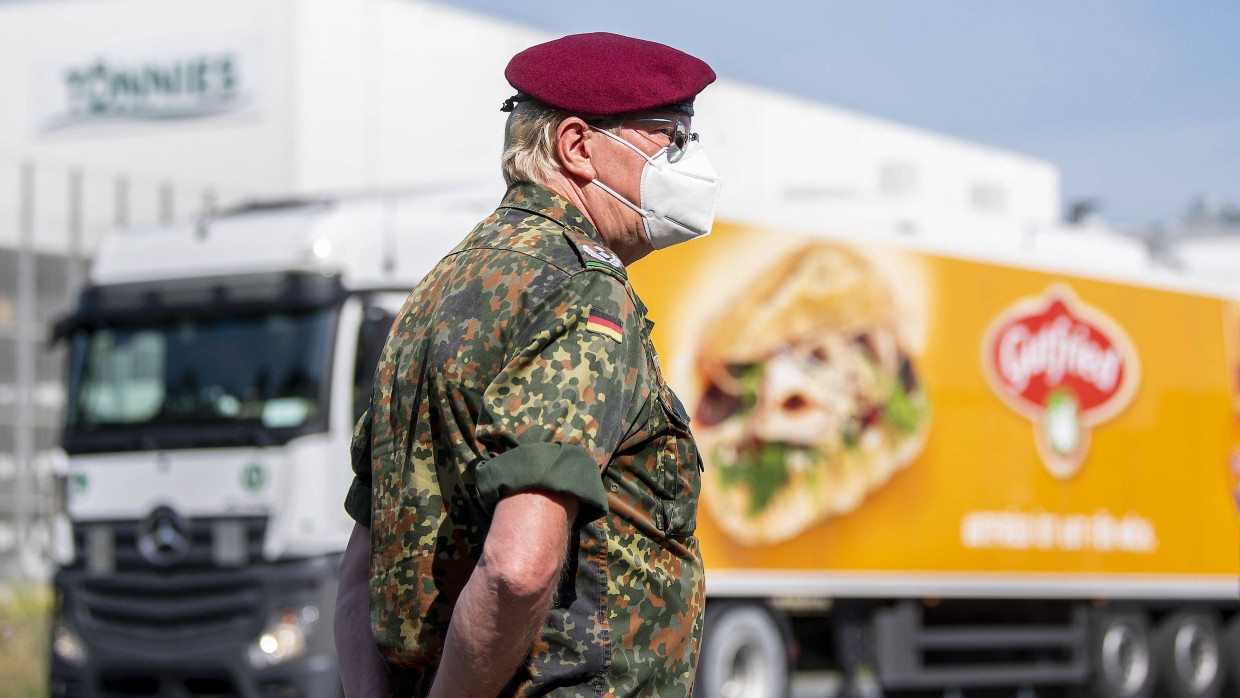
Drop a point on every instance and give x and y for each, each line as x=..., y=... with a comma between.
x=1064, y=365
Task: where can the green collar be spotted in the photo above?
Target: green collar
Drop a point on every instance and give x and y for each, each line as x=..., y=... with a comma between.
x=541, y=201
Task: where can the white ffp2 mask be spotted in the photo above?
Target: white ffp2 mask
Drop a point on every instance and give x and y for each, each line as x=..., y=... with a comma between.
x=679, y=198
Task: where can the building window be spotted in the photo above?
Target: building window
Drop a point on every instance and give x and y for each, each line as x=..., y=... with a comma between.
x=8, y=459
x=8, y=272
x=8, y=362
x=988, y=197
x=897, y=179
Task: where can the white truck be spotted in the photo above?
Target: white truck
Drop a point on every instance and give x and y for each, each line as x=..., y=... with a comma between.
x=217, y=370
x=1024, y=479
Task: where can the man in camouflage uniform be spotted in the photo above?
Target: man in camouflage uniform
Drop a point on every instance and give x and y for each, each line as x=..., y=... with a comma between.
x=527, y=476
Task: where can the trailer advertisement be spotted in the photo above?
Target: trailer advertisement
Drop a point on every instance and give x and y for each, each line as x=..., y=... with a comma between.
x=867, y=411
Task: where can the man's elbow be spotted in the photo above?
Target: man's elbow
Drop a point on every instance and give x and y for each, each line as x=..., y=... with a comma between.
x=524, y=578
x=526, y=547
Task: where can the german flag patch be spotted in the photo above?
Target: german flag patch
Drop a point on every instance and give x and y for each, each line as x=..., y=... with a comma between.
x=605, y=325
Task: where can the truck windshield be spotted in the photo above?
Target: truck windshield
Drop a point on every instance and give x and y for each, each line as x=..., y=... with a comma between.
x=257, y=378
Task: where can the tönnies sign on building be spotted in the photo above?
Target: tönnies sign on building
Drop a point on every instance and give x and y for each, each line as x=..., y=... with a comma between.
x=309, y=96
x=180, y=82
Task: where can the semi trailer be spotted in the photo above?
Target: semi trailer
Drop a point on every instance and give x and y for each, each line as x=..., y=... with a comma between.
x=945, y=469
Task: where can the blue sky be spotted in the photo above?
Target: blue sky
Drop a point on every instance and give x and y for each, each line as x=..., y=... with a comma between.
x=1135, y=101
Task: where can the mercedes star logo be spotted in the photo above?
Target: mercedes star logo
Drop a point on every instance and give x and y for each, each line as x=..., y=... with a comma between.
x=163, y=537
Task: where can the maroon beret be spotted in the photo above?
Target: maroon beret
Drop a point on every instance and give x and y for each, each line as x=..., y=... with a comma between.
x=601, y=74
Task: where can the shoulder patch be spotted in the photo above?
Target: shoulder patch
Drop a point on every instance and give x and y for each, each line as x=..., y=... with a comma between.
x=599, y=253
x=605, y=325
x=595, y=255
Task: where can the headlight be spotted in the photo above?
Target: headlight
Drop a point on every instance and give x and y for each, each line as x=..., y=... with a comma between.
x=68, y=647
x=284, y=637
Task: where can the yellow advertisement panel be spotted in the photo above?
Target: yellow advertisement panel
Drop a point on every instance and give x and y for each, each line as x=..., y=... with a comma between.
x=869, y=409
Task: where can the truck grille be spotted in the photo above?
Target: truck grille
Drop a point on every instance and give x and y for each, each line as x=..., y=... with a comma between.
x=171, y=603
x=125, y=554
x=195, y=595
x=188, y=630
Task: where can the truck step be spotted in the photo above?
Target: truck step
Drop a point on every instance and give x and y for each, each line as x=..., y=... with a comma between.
x=1002, y=636
x=915, y=655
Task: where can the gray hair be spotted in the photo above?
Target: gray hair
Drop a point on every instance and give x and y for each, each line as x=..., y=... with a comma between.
x=530, y=143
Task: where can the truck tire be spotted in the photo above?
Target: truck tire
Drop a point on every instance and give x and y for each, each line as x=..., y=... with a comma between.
x=1123, y=662
x=744, y=653
x=1190, y=651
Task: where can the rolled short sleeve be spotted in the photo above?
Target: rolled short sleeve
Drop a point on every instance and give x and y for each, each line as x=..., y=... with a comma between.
x=357, y=500
x=555, y=467
x=555, y=415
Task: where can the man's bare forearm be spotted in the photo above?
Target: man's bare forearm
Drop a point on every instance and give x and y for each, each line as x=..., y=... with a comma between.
x=490, y=635
x=505, y=603
x=362, y=671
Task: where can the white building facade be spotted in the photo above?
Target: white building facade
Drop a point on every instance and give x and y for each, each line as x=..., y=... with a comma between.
x=294, y=96
x=133, y=112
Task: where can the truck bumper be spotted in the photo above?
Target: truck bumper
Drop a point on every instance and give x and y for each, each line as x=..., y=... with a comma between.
x=197, y=632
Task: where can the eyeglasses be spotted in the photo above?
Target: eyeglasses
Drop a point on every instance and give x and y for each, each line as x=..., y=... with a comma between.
x=676, y=132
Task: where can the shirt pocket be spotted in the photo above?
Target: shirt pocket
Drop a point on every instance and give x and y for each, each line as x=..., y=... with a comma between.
x=682, y=467
x=680, y=464
x=653, y=480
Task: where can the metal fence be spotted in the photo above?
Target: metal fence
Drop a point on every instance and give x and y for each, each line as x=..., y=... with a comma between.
x=52, y=217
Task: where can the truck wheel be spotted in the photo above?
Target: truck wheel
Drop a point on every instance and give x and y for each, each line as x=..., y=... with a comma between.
x=1189, y=649
x=744, y=653
x=1123, y=663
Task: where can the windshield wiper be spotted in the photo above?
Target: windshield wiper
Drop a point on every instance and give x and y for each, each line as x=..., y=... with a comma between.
x=227, y=433
x=256, y=433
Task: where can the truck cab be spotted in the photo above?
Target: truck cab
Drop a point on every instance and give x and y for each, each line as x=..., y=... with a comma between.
x=216, y=373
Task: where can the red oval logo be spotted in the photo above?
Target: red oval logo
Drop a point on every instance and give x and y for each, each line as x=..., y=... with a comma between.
x=1063, y=364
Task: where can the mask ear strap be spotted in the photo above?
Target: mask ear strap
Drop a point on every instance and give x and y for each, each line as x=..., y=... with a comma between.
x=623, y=200
x=608, y=189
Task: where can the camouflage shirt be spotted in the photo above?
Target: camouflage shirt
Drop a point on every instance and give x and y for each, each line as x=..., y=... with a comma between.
x=523, y=361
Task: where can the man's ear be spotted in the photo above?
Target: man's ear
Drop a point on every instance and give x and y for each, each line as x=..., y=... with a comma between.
x=572, y=144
